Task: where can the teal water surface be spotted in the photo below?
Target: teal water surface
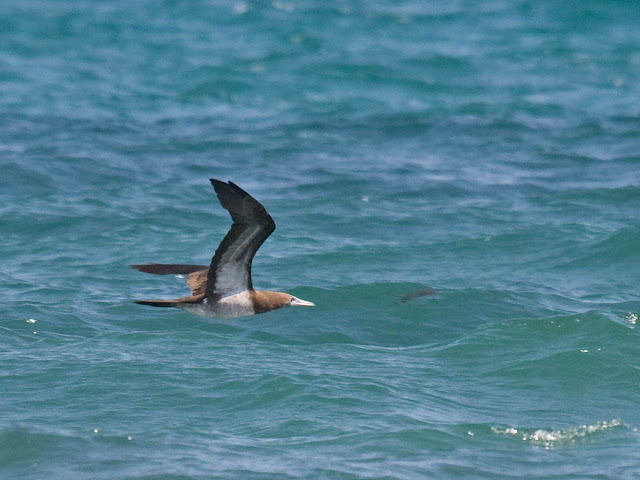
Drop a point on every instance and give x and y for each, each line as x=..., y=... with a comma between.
x=489, y=151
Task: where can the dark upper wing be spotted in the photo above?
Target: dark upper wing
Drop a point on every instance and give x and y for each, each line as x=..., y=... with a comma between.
x=230, y=270
x=169, y=269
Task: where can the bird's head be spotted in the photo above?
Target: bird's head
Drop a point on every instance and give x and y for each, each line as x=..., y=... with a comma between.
x=266, y=301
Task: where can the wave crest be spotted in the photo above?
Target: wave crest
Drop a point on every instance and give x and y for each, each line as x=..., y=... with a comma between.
x=550, y=438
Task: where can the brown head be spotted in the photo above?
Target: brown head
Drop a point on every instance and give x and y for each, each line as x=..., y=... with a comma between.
x=264, y=301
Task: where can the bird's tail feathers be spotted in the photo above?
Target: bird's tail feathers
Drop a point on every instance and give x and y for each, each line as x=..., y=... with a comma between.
x=178, y=302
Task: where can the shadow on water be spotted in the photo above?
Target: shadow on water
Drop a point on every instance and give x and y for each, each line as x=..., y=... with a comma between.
x=406, y=314
x=384, y=314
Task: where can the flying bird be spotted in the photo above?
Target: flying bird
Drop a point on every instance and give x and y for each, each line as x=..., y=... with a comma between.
x=224, y=289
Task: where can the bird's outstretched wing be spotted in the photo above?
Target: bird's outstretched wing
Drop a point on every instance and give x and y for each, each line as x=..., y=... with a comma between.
x=230, y=270
x=197, y=274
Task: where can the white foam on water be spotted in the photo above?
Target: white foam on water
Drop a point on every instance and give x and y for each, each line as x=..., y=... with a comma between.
x=549, y=438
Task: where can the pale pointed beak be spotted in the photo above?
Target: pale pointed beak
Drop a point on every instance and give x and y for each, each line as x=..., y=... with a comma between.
x=297, y=302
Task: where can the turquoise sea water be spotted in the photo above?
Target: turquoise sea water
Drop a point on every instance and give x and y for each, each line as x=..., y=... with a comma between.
x=487, y=150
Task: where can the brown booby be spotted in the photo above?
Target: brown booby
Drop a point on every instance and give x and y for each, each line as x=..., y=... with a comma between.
x=224, y=289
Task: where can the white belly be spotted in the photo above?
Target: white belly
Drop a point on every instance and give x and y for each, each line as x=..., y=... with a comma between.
x=237, y=305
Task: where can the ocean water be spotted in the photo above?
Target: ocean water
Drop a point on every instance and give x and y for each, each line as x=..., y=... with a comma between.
x=487, y=151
